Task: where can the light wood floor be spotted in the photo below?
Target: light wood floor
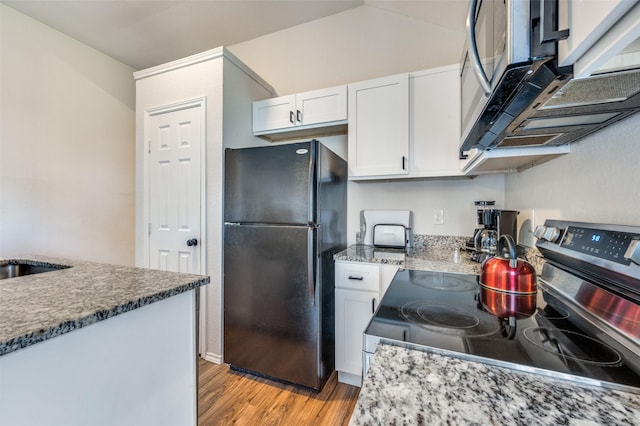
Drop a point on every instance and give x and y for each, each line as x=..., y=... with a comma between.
x=230, y=397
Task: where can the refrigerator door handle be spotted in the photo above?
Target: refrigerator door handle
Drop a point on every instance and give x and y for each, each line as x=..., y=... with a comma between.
x=312, y=189
x=311, y=281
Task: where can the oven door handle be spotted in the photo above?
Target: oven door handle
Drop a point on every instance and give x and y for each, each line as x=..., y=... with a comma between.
x=473, y=49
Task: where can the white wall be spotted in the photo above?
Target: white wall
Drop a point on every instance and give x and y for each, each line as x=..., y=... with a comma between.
x=355, y=45
x=67, y=146
x=597, y=182
x=455, y=197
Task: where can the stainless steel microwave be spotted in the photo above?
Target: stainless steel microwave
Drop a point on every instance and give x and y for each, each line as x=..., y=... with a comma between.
x=513, y=94
x=503, y=51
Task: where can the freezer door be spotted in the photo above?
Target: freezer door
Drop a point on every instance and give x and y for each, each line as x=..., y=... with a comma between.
x=272, y=184
x=331, y=196
x=271, y=315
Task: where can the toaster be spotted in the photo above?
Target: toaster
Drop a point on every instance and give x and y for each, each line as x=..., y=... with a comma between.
x=389, y=235
x=385, y=228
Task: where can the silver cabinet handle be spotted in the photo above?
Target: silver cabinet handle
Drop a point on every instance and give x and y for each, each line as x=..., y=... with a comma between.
x=373, y=305
x=473, y=49
x=291, y=117
x=355, y=277
x=299, y=116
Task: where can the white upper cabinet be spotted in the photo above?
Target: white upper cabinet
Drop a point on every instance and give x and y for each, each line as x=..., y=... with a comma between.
x=434, y=123
x=379, y=127
x=599, y=30
x=277, y=117
x=274, y=113
x=406, y=126
x=321, y=106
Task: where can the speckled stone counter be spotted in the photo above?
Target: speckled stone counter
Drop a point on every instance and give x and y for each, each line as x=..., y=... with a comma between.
x=34, y=308
x=430, y=253
x=425, y=258
x=409, y=387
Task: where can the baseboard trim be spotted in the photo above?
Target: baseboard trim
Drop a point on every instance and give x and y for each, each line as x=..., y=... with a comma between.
x=350, y=379
x=211, y=357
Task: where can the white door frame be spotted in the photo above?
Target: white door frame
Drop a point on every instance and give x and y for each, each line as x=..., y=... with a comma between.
x=148, y=113
x=177, y=106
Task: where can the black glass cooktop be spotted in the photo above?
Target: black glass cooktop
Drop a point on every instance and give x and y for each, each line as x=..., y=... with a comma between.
x=442, y=312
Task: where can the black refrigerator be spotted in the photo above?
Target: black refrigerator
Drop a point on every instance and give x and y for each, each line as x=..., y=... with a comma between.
x=285, y=217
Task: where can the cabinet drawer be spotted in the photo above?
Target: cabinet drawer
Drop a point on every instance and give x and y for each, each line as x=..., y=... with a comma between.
x=358, y=276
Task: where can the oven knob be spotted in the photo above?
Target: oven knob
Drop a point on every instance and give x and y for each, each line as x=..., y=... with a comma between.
x=633, y=252
x=551, y=234
x=539, y=232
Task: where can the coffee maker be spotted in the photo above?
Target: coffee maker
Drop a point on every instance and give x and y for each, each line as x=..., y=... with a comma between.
x=491, y=224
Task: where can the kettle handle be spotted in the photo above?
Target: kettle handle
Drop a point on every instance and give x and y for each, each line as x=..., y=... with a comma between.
x=511, y=245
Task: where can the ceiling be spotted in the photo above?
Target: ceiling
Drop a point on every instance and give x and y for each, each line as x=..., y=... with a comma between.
x=145, y=33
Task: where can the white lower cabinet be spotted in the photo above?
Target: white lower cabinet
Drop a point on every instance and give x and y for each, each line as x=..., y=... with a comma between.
x=359, y=288
x=353, y=311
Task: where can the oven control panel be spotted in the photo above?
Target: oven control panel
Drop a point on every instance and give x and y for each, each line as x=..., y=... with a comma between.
x=605, y=244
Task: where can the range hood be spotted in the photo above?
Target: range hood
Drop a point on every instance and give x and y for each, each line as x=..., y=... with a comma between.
x=548, y=108
x=510, y=160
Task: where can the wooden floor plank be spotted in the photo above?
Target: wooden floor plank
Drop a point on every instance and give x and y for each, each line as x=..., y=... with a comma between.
x=230, y=397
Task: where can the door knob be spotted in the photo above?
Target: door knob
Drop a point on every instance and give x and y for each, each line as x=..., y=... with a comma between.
x=192, y=242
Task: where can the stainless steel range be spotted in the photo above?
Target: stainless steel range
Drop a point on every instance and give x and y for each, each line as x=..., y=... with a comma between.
x=585, y=328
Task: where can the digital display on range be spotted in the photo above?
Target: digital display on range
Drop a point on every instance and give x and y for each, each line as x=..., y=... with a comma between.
x=608, y=245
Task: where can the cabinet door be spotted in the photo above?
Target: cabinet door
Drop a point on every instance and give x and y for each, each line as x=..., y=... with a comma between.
x=321, y=106
x=435, y=122
x=587, y=20
x=274, y=113
x=354, y=310
x=379, y=127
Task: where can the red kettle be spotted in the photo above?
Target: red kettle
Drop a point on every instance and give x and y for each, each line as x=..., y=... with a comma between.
x=508, y=287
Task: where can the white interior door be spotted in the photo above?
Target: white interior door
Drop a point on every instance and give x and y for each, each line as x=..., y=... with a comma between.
x=175, y=155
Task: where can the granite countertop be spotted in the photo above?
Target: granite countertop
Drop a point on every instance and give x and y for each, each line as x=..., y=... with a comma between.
x=430, y=253
x=34, y=308
x=410, y=387
x=438, y=259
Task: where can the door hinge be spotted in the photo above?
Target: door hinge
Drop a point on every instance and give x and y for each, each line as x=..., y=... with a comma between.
x=149, y=229
x=149, y=147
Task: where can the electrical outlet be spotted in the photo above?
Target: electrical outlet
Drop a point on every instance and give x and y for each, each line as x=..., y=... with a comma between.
x=438, y=216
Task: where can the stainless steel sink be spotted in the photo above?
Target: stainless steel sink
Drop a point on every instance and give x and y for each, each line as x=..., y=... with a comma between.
x=18, y=269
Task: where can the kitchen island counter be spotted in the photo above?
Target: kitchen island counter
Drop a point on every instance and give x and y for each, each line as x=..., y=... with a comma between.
x=405, y=386
x=98, y=344
x=35, y=308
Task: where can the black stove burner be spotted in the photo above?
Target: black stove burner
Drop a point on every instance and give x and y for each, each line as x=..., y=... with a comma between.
x=447, y=316
x=448, y=319
x=442, y=281
x=570, y=345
